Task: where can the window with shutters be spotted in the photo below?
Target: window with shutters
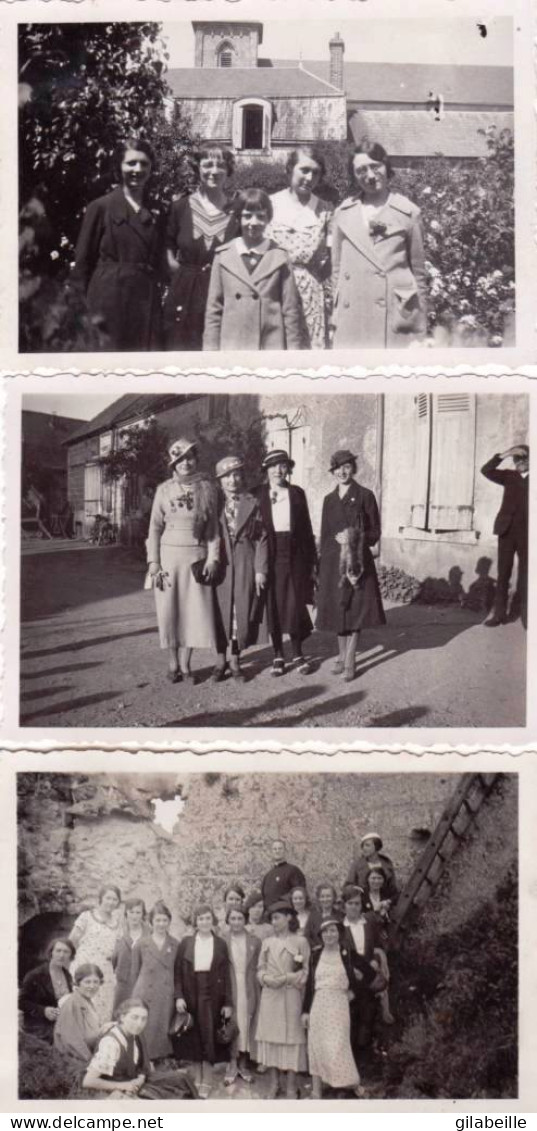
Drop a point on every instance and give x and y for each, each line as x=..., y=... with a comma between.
x=444, y=466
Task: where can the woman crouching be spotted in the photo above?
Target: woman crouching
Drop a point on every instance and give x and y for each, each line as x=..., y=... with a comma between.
x=244, y=555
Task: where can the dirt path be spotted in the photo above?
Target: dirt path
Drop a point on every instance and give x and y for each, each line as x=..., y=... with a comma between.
x=90, y=658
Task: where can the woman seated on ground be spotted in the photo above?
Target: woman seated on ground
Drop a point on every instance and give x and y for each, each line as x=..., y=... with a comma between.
x=45, y=987
x=302, y=906
x=243, y=951
x=255, y=916
x=122, y=958
x=244, y=558
x=335, y=972
x=78, y=1025
x=121, y=1063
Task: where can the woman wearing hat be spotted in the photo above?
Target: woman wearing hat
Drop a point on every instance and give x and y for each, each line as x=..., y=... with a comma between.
x=244, y=555
x=292, y=561
x=370, y=856
x=335, y=971
x=282, y=974
x=183, y=531
x=348, y=598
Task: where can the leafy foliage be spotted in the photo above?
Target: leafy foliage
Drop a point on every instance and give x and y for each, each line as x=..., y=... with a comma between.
x=142, y=454
x=44, y=1074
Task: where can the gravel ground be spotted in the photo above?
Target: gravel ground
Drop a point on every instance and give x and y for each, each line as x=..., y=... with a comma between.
x=90, y=658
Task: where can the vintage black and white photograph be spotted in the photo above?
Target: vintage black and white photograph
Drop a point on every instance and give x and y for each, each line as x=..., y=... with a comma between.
x=231, y=184
x=274, y=560
x=264, y=936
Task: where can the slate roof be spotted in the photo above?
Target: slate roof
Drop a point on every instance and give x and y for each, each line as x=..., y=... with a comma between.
x=124, y=411
x=415, y=133
x=241, y=82
x=413, y=82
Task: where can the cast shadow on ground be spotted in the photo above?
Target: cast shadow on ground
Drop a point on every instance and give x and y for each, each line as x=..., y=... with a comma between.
x=69, y=705
x=67, y=670
x=80, y=644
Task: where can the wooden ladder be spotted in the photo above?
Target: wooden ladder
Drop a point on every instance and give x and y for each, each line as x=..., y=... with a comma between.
x=453, y=825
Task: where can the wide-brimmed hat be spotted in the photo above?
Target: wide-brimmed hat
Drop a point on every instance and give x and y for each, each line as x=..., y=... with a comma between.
x=178, y=450
x=227, y=465
x=372, y=836
x=343, y=455
x=281, y=905
x=278, y=455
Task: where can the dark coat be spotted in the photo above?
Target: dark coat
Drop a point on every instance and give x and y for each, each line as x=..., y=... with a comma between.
x=358, y=969
x=312, y=930
x=119, y=264
x=184, y=310
x=279, y=881
x=342, y=608
x=303, y=556
x=37, y=994
x=260, y=311
x=372, y=936
x=379, y=285
x=220, y=975
x=359, y=869
x=125, y=970
x=244, y=554
x=154, y=969
x=513, y=512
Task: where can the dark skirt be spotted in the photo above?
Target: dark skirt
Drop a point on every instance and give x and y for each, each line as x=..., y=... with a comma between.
x=287, y=611
x=184, y=309
x=203, y=1045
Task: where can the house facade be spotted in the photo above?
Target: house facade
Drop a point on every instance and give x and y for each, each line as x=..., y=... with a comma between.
x=264, y=108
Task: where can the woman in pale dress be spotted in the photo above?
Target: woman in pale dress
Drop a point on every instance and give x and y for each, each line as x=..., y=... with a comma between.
x=183, y=534
x=243, y=951
x=334, y=972
x=78, y=1025
x=95, y=934
x=282, y=974
x=301, y=226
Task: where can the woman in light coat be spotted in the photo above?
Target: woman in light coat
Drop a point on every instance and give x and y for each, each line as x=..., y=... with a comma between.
x=282, y=972
x=243, y=951
x=378, y=263
x=153, y=964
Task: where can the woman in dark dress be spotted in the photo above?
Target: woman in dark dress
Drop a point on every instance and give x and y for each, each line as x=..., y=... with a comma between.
x=348, y=598
x=203, y=989
x=292, y=561
x=153, y=964
x=122, y=958
x=44, y=987
x=120, y=260
x=197, y=226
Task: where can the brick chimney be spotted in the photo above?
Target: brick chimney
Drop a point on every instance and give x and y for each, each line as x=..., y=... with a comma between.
x=337, y=51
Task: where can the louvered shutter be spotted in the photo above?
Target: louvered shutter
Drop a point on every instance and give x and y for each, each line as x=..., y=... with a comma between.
x=422, y=452
x=453, y=463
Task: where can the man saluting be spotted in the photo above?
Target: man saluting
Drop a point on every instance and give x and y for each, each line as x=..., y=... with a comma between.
x=511, y=526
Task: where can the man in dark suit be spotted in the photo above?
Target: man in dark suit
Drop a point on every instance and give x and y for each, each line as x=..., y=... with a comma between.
x=281, y=878
x=511, y=526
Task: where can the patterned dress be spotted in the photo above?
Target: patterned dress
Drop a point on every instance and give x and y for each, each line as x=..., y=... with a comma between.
x=95, y=942
x=329, y=1033
x=304, y=233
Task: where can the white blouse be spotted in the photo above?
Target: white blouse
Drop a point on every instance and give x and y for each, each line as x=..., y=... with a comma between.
x=203, y=953
x=358, y=934
x=281, y=511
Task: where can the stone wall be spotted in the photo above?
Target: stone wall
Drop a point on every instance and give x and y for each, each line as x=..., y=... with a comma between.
x=76, y=831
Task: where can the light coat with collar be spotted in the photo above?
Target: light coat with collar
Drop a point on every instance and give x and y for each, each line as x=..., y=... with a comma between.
x=378, y=282
x=253, y=989
x=260, y=311
x=119, y=265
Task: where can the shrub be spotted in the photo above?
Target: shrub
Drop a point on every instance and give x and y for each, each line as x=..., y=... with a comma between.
x=44, y=1074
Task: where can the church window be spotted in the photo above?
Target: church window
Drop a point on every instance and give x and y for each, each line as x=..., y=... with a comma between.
x=224, y=55
x=252, y=127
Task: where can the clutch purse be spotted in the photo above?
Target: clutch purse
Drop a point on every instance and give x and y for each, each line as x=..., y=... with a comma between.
x=198, y=574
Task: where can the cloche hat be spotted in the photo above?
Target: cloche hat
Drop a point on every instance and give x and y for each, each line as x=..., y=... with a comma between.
x=343, y=455
x=228, y=464
x=179, y=449
x=372, y=836
x=278, y=455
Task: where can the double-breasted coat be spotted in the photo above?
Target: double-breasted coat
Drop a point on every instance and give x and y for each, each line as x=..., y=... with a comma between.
x=378, y=275
x=302, y=563
x=37, y=994
x=260, y=311
x=120, y=264
x=243, y=553
x=342, y=608
x=154, y=968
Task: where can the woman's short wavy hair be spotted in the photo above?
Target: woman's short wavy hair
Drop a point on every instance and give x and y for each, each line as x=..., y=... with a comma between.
x=64, y=941
x=373, y=149
x=309, y=151
x=300, y=887
x=85, y=971
x=203, y=909
x=236, y=911
x=159, y=908
x=136, y=142
x=209, y=149
x=126, y=1006
x=108, y=887
x=324, y=887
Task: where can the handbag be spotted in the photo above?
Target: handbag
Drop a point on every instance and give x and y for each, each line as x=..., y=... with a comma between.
x=180, y=1024
x=227, y=1031
x=198, y=574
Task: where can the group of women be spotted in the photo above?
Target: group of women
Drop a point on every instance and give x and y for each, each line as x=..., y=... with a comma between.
x=231, y=568
x=288, y=989
x=244, y=270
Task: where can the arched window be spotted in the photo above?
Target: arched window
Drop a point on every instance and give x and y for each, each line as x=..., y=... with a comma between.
x=224, y=55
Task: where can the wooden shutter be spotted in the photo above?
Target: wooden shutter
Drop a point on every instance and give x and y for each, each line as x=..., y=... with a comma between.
x=453, y=464
x=422, y=455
